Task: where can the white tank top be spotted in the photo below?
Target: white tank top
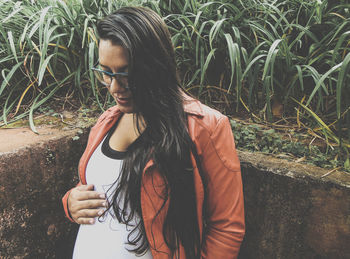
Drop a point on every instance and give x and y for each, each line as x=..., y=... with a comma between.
x=106, y=238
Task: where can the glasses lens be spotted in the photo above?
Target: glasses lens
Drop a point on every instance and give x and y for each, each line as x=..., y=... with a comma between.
x=103, y=78
x=122, y=80
x=106, y=79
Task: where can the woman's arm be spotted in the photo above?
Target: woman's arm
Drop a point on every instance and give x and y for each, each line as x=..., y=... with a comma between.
x=224, y=205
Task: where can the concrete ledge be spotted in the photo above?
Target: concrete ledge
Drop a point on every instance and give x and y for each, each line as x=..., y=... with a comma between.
x=291, y=211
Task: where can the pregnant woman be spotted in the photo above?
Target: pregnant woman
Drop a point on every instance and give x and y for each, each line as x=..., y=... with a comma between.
x=160, y=177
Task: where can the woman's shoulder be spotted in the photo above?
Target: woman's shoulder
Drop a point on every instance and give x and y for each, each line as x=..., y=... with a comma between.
x=107, y=118
x=108, y=114
x=202, y=116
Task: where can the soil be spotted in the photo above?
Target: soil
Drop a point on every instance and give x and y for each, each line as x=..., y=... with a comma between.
x=52, y=124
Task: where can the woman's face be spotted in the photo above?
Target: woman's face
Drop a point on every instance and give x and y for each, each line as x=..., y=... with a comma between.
x=114, y=58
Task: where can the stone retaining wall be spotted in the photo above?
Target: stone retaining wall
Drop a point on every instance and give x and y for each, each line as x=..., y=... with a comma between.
x=291, y=210
x=33, y=179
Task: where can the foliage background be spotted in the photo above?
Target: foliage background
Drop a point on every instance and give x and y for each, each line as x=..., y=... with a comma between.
x=277, y=62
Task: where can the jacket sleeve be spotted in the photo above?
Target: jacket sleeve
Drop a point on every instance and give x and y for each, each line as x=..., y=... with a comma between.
x=65, y=204
x=225, y=226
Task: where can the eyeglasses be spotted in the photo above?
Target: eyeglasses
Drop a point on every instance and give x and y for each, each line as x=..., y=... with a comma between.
x=106, y=78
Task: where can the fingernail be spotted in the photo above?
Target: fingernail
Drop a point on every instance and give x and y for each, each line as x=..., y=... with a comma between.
x=102, y=196
x=104, y=204
x=91, y=221
x=100, y=212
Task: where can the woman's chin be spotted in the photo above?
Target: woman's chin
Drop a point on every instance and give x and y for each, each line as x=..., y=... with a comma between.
x=125, y=109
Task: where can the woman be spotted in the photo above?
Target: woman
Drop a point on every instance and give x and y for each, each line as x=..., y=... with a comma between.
x=160, y=177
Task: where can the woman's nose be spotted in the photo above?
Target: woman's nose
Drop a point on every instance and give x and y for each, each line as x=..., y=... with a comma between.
x=115, y=86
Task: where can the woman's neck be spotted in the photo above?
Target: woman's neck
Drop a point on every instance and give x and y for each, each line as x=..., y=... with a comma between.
x=126, y=132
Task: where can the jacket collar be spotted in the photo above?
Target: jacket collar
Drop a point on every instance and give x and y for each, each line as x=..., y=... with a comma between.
x=192, y=106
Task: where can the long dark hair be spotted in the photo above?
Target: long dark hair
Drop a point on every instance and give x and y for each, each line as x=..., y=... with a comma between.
x=158, y=100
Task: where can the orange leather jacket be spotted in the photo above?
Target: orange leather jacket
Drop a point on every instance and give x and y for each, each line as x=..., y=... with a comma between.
x=212, y=135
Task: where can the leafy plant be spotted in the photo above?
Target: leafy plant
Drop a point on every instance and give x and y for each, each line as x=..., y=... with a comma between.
x=275, y=59
x=267, y=54
x=47, y=48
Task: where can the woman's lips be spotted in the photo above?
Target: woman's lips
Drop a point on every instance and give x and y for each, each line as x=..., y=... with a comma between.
x=123, y=100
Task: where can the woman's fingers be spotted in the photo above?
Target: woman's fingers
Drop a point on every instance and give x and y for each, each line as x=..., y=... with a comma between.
x=88, y=195
x=84, y=202
x=91, y=204
x=88, y=187
x=80, y=193
x=87, y=216
x=90, y=190
x=86, y=221
x=78, y=206
x=90, y=213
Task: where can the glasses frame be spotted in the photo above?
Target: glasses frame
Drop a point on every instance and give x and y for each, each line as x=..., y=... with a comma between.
x=112, y=75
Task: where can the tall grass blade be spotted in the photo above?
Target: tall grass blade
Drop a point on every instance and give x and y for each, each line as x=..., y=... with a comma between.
x=270, y=54
x=343, y=73
x=43, y=67
x=205, y=67
x=8, y=76
x=321, y=80
x=232, y=56
x=214, y=31
x=12, y=44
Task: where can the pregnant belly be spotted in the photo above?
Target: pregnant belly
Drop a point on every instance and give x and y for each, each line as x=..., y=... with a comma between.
x=106, y=239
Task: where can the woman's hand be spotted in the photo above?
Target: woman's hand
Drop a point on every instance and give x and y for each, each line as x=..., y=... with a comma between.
x=84, y=204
